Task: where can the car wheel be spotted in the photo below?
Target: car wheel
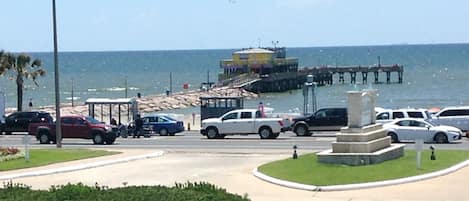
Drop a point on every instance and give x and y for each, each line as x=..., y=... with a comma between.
x=275, y=135
x=44, y=137
x=98, y=138
x=110, y=140
x=393, y=136
x=163, y=132
x=212, y=133
x=265, y=133
x=441, y=138
x=302, y=130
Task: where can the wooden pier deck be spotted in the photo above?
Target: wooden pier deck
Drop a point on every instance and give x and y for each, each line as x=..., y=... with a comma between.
x=324, y=74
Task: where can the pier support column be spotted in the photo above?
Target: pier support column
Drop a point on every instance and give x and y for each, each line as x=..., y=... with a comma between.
x=388, y=77
x=400, y=74
x=353, y=76
x=364, y=77
x=341, y=77
x=376, y=76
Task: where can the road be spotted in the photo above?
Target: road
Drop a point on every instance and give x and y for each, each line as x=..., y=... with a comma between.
x=192, y=140
x=228, y=163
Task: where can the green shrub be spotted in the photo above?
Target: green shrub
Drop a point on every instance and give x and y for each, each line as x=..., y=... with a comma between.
x=74, y=192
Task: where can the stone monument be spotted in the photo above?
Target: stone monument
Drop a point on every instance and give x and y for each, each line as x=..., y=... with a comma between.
x=363, y=141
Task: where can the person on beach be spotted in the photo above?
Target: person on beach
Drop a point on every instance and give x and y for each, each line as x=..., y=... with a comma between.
x=113, y=122
x=138, y=126
x=30, y=104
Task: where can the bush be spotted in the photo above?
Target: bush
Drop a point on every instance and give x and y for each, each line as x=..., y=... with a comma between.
x=10, y=153
x=75, y=192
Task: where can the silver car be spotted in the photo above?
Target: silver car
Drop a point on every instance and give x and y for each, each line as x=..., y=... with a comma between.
x=410, y=129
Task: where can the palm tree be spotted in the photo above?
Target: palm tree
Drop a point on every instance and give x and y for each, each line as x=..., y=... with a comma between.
x=2, y=62
x=22, y=68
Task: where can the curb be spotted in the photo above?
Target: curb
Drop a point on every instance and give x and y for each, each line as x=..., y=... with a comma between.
x=361, y=185
x=80, y=167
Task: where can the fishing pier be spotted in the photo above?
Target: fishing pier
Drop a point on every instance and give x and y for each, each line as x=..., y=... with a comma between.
x=324, y=74
x=264, y=70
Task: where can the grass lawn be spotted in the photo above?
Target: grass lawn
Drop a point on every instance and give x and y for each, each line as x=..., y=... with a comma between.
x=40, y=157
x=307, y=170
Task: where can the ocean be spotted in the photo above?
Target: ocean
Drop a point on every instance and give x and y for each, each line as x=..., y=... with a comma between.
x=434, y=75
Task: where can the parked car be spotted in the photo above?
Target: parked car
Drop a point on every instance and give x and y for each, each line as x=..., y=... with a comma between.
x=242, y=122
x=19, y=121
x=74, y=126
x=162, y=125
x=453, y=116
x=325, y=119
x=411, y=129
x=388, y=115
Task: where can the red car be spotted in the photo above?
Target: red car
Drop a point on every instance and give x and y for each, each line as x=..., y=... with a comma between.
x=74, y=126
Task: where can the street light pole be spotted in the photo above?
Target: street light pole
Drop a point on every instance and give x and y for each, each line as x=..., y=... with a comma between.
x=125, y=84
x=72, y=95
x=58, y=127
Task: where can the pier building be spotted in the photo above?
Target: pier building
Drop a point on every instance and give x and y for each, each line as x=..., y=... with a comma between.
x=260, y=61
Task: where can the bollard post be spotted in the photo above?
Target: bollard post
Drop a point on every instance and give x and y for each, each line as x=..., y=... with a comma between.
x=188, y=126
x=295, y=155
x=433, y=156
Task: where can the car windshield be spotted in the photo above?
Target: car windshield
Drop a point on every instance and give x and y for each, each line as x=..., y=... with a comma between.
x=431, y=123
x=169, y=118
x=92, y=120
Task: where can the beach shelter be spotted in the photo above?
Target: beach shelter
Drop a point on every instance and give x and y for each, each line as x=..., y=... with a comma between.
x=129, y=105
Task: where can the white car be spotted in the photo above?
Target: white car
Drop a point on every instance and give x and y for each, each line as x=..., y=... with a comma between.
x=453, y=116
x=387, y=115
x=242, y=122
x=410, y=129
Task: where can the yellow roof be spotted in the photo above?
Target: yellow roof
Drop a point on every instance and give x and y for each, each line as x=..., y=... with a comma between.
x=254, y=51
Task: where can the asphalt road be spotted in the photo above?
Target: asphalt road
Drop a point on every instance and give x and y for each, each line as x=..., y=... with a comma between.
x=192, y=140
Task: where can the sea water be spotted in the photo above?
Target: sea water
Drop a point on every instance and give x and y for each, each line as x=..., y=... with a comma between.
x=434, y=75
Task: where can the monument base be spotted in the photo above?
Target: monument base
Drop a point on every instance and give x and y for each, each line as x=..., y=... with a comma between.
x=354, y=159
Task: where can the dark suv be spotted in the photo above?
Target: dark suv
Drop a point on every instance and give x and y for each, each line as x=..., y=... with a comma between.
x=325, y=119
x=19, y=121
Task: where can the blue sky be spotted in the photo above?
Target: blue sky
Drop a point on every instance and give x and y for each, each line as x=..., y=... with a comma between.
x=97, y=25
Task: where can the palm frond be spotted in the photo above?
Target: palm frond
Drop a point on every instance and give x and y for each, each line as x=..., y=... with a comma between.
x=36, y=63
x=41, y=72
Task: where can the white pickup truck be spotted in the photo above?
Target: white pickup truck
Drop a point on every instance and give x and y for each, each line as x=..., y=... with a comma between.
x=242, y=122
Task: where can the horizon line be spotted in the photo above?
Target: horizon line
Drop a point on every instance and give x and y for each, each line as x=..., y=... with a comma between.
x=204, y=49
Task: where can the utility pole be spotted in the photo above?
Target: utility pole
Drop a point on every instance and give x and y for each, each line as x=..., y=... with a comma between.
x=58, y=126
x=73, y=97
x=170, y=82
x=125, y=85
x=208, y=80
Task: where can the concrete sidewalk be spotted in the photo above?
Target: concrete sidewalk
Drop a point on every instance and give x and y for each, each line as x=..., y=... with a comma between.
x=233, y=172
